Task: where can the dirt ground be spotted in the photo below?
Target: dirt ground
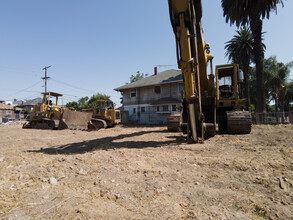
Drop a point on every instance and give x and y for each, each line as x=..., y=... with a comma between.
x=145, y=173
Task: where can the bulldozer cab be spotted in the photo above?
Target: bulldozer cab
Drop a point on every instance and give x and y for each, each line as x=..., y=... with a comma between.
x=229, y=82
x=102, y=106
x=52, y=98
x=49, y=108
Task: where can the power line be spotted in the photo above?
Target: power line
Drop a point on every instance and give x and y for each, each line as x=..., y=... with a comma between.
x=22, y=90
x=72, y=86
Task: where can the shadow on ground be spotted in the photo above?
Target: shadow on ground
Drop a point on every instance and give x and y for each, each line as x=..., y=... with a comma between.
x=107, y=143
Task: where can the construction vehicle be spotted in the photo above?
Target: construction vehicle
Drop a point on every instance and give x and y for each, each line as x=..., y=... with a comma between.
x=104, y=115
x=229, y=83
x=49, y=115
x=201, y=102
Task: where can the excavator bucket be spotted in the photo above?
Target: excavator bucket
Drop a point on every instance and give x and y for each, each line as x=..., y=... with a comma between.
x=75, y=120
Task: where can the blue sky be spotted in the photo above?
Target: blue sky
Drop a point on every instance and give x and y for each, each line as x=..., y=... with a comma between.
x=94, y=46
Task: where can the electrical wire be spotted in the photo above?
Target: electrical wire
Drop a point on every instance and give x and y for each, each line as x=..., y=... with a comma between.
x=22, y=90
x=72, y=86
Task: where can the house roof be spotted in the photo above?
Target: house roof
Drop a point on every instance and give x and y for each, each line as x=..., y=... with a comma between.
x=32, y=102
x=168, y=76
x=9, y=107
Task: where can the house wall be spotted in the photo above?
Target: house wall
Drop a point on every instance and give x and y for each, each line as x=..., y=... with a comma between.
x=7, y=113
x=147, y=95
x=11, y=113
x=141, y=111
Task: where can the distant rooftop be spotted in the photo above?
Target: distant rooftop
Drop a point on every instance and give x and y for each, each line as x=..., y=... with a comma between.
x=168, y=76
x=32, y=102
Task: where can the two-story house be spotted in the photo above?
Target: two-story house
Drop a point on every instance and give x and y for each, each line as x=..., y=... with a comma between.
x=150, y=100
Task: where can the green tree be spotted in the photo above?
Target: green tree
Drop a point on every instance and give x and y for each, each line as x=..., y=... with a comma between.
x=277, y=76
x=73, y=105
x=137, y=76
x=82, y=103
x=252, y=12
x=239, y=50
x=277, y=87
x=99, y=96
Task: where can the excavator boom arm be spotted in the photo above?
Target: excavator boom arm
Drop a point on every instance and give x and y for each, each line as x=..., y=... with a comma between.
x=192, y=56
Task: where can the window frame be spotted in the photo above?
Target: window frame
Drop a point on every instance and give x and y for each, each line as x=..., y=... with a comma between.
x=173, y=110
x=143, y=109
x=133, y=93
x=157, y=89
x=164, y=108
x=180, y=87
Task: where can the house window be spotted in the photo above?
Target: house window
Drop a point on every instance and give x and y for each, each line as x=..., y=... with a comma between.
x=174, y=108
x=133, y=93
x=118, y=115
x=8, y=112
x=158, y=108
x=165, y=108
x=134, y=110
x=142, y=109
x=181, y=87
x=158, y=89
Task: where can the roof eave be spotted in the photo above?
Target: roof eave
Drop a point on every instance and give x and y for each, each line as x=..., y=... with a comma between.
x=119, y=90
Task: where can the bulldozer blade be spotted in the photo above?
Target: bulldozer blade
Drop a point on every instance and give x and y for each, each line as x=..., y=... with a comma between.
x=75, y=120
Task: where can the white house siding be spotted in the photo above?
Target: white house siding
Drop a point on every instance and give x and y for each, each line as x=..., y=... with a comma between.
x=150, y=114
x=147, y=98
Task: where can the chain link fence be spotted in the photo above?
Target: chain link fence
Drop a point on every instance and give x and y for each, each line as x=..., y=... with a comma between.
x=273, y=118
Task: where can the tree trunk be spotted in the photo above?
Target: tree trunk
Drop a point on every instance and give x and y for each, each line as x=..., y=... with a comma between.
x=256, y=29
x=276, y=108
x=246, y=86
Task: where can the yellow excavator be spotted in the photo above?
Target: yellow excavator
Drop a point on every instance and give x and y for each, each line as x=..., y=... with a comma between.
x=202, y=98
x=49, y=115
x=104, y=115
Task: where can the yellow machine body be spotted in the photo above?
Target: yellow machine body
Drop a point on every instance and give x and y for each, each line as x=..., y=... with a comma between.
x=50, y=115
x=104, y=115
x=201, y=98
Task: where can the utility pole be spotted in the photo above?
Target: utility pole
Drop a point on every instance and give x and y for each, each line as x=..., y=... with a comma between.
x=45, y=78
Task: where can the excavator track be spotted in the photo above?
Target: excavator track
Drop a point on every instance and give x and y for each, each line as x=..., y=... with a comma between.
x=238, y=122
x=97, y=124
x=42, y=123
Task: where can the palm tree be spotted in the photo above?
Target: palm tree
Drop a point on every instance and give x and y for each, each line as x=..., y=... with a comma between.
x=252, y=12
x=239, y=50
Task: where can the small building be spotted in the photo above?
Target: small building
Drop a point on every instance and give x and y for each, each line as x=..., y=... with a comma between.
x=9, y=112
x=29, y=104
x=150, y=100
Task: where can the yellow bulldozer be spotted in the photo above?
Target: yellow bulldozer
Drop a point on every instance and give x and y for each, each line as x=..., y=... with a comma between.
x=49, y=115
x=229, y=83
x=104, y=115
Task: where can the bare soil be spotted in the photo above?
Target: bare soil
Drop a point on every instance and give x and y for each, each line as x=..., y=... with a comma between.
x=145, y=173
